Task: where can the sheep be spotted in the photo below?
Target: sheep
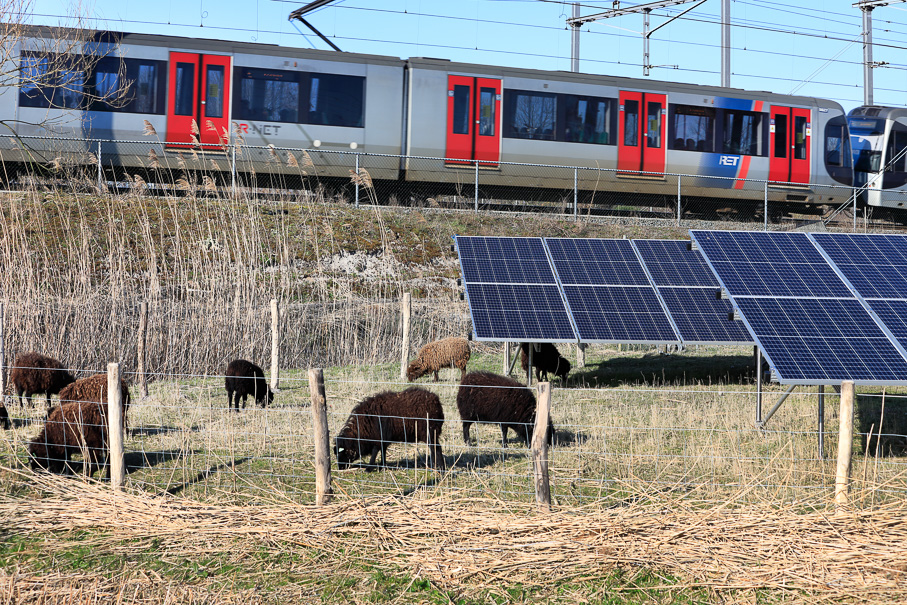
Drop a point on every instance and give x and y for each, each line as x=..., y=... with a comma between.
x=377, y=421
x=489, y=397
x=450, y=352
x=546, y=359
x=94, y=388
x=71, y=428
x=244, y=378
x=34, y=373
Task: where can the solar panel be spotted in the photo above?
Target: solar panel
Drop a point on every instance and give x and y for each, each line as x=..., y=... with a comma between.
x=687, y=286
x=619, y=314
x=670, y=263
x=601, y=262
x=769, y=264
x=519, y=312
x=876, y=265
x=809, y=325
x=608, y=292
x=893, y=314
x=512, y=291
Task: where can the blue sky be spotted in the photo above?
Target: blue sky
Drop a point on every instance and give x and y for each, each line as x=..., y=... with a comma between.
x=812, y=48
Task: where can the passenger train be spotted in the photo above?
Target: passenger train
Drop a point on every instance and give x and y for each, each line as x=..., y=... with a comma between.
x=643, y=131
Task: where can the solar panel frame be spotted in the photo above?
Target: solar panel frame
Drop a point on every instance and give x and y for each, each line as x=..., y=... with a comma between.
x=862, y=338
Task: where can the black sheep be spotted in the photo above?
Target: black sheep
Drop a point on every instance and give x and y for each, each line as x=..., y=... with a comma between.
x=244, y=378
x=389, y=417
x=71, y=428
x=546, y=360
x=34, y=373
x=488, y=397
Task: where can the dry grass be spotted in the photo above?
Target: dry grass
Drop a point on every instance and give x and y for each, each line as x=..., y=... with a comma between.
x=483, y=544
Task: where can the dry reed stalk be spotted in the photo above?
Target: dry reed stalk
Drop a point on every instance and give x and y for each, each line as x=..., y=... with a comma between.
x=461, y=542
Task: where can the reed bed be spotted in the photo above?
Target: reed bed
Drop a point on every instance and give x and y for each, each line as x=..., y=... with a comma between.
x=481, y=544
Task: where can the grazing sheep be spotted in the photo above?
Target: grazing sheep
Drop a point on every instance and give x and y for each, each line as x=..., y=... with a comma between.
x=94, y=388
x=4, y=416
x=244, y=378
x=34, y=373
x=377, y=421
x=71, y=428
x=450, y=352
x=546, y=359
x=488, y=397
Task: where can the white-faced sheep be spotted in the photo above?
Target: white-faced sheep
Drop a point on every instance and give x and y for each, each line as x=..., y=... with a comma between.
x=450, y=352
x=488, y=397
x=547, y=359
x=389, y=417
x=244, y=378
x=34, y=373
x=94, y=388
x=71, y=428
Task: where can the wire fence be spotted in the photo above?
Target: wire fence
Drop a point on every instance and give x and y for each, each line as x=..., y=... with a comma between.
x=609, y=445
x=417, y=181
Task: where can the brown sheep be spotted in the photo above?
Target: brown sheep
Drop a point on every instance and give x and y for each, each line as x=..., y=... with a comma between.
x=388, y=417
x=71, y=428
x=488, y=397
x=244, y=378
x=94, y=388
x=34, y=373
x=450, y=352
x=546, y=359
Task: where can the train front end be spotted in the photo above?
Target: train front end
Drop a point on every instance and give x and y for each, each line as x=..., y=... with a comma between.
x=878, y=138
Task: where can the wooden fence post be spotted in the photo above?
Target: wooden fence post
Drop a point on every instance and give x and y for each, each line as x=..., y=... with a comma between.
x=115, y=427
x=540, y=447
x=140, y=353
x=407, y=311
x=580, y=355
x=275, y=345
x=506, y=358
x=845, y=445
x=322, y=439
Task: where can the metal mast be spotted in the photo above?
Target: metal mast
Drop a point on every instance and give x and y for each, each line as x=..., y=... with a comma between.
x=726, y=43
x=574, y=39
x=866, y=6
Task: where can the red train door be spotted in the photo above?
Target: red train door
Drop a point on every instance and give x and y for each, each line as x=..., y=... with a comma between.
x=199, y=88
x=473, y=121
x=789, y=139
x=641, y=132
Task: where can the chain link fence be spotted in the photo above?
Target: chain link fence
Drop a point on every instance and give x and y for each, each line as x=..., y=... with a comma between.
x=357, y=178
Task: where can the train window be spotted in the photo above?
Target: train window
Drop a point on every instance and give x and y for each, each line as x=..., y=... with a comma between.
x=653, y=125
x=742, y=133
x=693, y=128
x=461, y=106
x=336, y=100
x=780, y=135
x=631, y=123
x=530, y=115
x=486, y=111
x=49, y=80
x=214, y=93
x=800, y=138
x=866, y=144
x=144, y=92
x=834, y=144
x=896, y=155
x=184, y=95
x=586, y=119
x=266, y=94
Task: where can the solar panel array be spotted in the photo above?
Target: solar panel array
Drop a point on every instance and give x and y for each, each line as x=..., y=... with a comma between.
x=592, y=290
x=822, y=307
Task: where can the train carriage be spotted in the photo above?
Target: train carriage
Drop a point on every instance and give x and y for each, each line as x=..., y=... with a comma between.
x=199, y=95
x=879, y=142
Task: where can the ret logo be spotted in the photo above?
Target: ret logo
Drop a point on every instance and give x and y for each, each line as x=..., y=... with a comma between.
x=728, y=160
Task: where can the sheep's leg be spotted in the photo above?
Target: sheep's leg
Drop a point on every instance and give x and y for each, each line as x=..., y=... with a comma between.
x=436, y=376
x=466, y=426
x=371, y=462
x=504, y=435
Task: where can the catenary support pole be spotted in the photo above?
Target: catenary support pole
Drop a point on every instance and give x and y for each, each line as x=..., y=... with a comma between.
x=406, y=309
x=140, y=352
x=574, y=41
x=275, y=344
x=322, y=439
x=726, y=43
x=845, y=445
x=540, y=447
x=115, y=427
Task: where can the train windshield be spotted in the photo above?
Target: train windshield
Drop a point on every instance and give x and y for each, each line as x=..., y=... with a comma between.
x=867, y=139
